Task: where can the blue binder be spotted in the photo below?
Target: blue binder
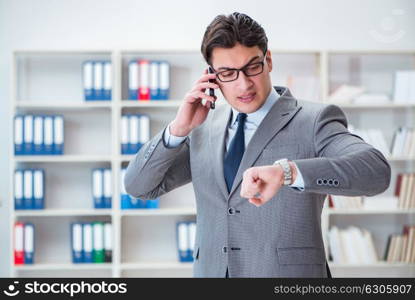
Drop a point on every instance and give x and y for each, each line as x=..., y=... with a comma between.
x=18, y=189
x=191, y=227
x=29, y=243
x=134, y=136
x=133, y=80
x=144, y=131
x=27, y=189
x=125, y=134
x=107, y=188
x=18, y=135
x=125, y=198
x=77, y=243
x=154, y=80
x=182, y=235
x=107, y=86
x=152, y=204
x=136, y=203
x=88, y=80
x=98, y=80
x=87, y=244
x=58, y=135
x=38, y=189
x=28, y=134
x=164, y=91
x=38, y=140
x=98, y=188
x=48, y=135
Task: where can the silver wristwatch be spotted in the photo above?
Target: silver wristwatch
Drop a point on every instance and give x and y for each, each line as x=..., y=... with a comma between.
x=286, y=168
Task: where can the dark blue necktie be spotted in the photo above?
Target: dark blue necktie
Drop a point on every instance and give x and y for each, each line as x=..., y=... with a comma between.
x=235, y=152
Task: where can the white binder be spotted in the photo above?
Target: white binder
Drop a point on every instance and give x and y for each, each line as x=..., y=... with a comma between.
x=144, y=129
x=48, y=135
x=28, y=189
x=97, y=188
x=38, y=189
x=18, y=135
x=18, y=190
x=28, y=134
x=38, y=135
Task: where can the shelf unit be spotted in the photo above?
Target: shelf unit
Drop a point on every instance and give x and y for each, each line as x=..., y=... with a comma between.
x=144, y=240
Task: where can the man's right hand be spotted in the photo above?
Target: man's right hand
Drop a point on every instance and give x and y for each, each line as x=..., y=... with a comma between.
x=192, y=112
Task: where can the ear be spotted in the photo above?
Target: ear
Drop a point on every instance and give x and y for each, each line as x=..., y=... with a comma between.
x=269, y=60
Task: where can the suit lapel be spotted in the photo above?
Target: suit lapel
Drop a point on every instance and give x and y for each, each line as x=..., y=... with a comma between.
x=279, y=115
x=217, y=134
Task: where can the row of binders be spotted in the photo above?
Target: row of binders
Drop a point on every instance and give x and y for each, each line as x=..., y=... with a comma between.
x=352, y=245
x=148, y=80
x=97, y=80
x=91, y=242
x=24, y=243
x=29, y=189
x=186, y=235
x=401, y=247
x=38, y=135
x=135, y=132
x=404, y=89
x=102, y=188
x=129, y=202
x=405, y=190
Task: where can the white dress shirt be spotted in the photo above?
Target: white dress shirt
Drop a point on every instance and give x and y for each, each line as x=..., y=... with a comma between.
x=251, y=124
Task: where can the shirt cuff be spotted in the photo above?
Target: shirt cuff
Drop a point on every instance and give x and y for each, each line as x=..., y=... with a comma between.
x=298, y=183
x=172, y=141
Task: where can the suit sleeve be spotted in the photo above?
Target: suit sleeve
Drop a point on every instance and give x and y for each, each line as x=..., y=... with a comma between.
x=344, y=163
x=157, y=169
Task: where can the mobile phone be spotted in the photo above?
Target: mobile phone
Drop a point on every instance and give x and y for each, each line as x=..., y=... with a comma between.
x=211, y=91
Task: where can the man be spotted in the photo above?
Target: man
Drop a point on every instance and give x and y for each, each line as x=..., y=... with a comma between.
x=261, y=166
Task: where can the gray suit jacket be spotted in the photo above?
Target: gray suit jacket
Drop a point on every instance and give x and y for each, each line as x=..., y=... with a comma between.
x=283, y=237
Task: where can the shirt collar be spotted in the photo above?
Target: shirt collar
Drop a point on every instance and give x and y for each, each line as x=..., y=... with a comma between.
x=257, y=116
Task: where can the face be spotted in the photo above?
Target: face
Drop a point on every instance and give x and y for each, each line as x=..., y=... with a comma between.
x=247, y=93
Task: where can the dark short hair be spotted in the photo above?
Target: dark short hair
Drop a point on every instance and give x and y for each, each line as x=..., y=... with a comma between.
x=225, y=31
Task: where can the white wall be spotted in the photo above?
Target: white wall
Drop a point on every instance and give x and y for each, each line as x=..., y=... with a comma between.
x=123, y=24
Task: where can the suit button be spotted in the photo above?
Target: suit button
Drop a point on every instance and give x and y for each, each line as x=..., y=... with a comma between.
x=336, y=182
x=231, y=211
x=330, y=182
x=225, y=249
x=319, y=182
x=325, y=181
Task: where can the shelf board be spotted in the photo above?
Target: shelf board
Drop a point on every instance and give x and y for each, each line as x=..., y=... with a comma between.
x=400, y=158
x=159, y=212
x=362, y=211
x=67, y=266
x=62, y=212
x=151, y=103
x=62, y=158
x=370, y=106
x=126, y=157
x=157, y=265
x=63, y=105
x=381, y=264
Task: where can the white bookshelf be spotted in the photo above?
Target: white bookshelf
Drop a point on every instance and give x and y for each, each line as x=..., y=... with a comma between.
x=144, y=242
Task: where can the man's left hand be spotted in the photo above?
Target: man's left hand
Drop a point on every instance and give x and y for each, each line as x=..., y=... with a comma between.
x=260, y=184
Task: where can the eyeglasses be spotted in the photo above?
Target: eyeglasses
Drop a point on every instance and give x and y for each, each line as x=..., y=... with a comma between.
x=249, y=70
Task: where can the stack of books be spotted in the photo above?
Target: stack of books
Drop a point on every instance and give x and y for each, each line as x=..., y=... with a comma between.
x=401, y=247
x=351, y=246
